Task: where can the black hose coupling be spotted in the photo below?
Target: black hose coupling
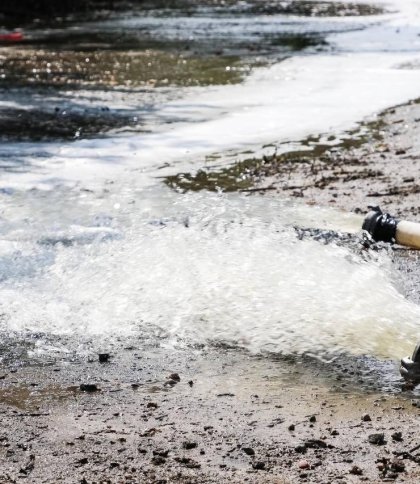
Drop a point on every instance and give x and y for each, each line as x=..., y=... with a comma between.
x=381, y=226
x=410, y=367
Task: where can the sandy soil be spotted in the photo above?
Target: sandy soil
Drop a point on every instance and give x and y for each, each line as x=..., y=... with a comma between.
x=154, y=413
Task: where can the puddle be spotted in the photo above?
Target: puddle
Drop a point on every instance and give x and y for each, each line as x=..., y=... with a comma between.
x=31, y=399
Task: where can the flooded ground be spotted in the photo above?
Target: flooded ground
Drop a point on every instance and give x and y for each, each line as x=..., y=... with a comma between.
x=135, y=152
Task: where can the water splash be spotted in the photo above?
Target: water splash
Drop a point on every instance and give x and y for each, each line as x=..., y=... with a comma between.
x=212, y=268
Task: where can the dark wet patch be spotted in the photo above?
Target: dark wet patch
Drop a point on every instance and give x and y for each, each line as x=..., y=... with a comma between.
x=299, y=42
x=60, y=124
x=244, y=175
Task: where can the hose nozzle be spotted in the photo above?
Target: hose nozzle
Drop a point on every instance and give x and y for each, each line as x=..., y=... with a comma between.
x=381, y=226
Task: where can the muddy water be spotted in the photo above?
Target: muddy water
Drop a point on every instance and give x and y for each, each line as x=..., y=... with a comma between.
x=94, y=242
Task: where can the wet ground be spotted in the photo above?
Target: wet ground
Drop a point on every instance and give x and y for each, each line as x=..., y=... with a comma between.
x=159, y=407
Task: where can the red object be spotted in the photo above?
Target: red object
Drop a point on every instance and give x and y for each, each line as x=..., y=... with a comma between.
x=12, y=37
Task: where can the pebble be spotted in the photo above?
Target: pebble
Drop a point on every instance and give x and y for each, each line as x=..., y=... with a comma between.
x=189, y=445
x=248, y=450
x=88, y=387
x=397, y=436
x=376, y=439
x=104, y=357
x=259, y=465
x=356, y=471
x=366, y=417
x=291, y=427
x=175, y=377
x=304, y=464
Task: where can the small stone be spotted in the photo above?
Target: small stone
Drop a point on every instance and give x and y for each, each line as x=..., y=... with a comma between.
x=300, y=449
x=189, y=445
x=161, y=453
x=152, y=405
x=397, y=436
x=366, y=417
x=356, y=471
x=376, y=439
x=190, y=383
x=248, y=450
x=158, y=460
x=104, y=357
x=175, y=377
x=291, y=427
x=88, y=387
x=312, y=419
x=397, y=465
x=304, y=464
x=259, y=465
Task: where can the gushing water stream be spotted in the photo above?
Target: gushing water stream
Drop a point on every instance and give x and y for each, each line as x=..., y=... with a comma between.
x=91, y=242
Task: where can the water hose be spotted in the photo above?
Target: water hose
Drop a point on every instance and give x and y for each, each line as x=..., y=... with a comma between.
x=386, y=228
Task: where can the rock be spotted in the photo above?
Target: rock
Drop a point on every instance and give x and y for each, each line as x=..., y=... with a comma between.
x=300, y=449
x=397, y=436
x=356, y=471
x=157, y=460
x=175, y=377
x=161, y=453
x=376, y=439
x=189, y=445
x=190, y=383
x=248, y=450
x=312, y=419
x=366, y=417
x=104, y=357
x=259, y=465
x=304, y=464
x=315, y=444
x=397, y=466
x=82, y=461
x=88, y=387
x=152, y=405
x=170, y=383
x=291, y=427
x=187, y=462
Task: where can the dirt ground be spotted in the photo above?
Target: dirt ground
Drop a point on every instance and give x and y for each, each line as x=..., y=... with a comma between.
x=154, y=413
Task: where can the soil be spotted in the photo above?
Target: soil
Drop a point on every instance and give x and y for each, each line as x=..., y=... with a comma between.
x=381, y=169
x=152, y=412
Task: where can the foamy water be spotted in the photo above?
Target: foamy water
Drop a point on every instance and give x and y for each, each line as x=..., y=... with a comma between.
x=128, y=253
